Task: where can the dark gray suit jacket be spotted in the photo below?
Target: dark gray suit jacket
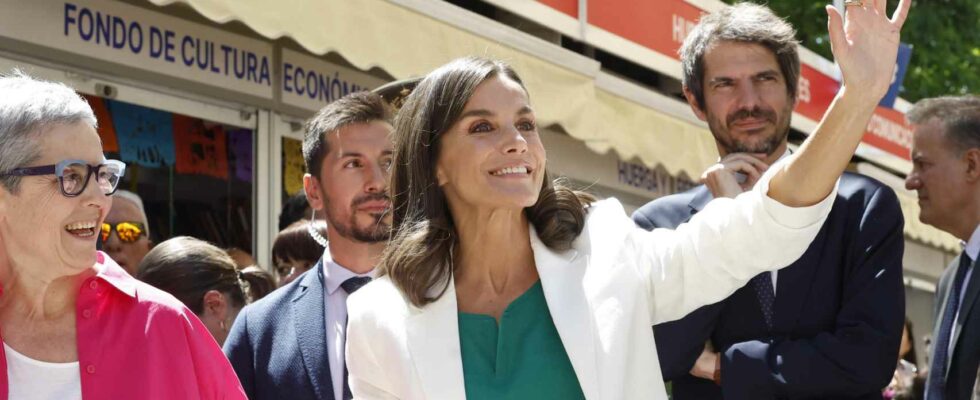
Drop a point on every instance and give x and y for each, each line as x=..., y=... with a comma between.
x=278, y=345
x=961, y=372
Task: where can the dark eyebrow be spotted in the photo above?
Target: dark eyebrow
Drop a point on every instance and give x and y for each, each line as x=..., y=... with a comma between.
x=720, y=79
x=476, y=113
x=386, y=152
x=487, y=113
x=769, y=72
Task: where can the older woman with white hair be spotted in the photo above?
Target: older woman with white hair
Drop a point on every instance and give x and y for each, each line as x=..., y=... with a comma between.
x=74, y=324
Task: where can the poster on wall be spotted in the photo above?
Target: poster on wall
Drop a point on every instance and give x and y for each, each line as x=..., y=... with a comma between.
x=201, y=147
x=107, y=131
x=240, y=157
x=145, y=135
x=293, y=166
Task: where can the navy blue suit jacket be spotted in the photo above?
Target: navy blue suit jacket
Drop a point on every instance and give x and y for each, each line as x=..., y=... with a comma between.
x=961, y=373
x=278, y=345
x=838, y=314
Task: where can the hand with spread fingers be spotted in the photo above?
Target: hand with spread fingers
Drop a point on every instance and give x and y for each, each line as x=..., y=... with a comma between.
x=865, y=43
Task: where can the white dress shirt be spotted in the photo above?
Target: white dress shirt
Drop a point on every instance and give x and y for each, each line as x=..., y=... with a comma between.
x=335, y=307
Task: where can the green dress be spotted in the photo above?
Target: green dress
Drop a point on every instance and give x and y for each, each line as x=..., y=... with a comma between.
x=523, y=358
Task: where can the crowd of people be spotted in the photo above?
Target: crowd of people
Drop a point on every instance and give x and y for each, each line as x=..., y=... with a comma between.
x=484, y=278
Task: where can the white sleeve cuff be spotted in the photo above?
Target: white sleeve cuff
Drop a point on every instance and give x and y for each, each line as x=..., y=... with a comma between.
x=792, y=217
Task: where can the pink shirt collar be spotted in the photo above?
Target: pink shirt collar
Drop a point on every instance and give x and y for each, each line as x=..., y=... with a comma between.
x=114, y=275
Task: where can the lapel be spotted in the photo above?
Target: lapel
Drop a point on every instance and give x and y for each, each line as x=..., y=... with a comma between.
x=562, y=279
x=794, y=283
x=432, y=333
x=309, y=321
x=701, y=199
x=944, y=288
x=969, y=300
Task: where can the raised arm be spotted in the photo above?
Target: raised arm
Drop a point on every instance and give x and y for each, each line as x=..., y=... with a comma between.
x=865, y=45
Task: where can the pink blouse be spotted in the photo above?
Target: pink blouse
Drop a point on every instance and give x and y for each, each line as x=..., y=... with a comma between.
x=138, y=342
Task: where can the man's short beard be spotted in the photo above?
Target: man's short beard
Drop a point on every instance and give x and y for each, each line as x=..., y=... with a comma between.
x=767, y=146
x=377, y=232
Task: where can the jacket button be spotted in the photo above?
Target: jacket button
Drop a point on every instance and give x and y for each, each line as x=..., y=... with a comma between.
x=90, y=368
x=93, y=284
x=87, y=313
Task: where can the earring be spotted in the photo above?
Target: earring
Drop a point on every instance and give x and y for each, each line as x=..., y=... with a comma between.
x=222, y=325
x=311, y=229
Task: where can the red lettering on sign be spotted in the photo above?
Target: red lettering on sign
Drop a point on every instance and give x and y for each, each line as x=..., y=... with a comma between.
x=889, y=131
x=816, y=92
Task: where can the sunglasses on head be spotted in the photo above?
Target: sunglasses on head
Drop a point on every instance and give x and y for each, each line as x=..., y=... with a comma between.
x=127, y=231
x=74, y=175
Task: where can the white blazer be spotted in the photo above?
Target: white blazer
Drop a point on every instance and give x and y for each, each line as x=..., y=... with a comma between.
x=604, y=295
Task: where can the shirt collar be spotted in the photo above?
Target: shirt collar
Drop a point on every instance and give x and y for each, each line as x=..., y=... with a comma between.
x=335, y=274
x=973, y=245
x=114, y=275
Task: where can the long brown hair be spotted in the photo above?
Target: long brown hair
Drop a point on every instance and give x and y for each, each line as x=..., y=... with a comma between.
x=418, y=258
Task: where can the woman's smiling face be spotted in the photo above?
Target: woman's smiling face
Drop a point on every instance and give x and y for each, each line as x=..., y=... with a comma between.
x=493, y=156
x=42, y=225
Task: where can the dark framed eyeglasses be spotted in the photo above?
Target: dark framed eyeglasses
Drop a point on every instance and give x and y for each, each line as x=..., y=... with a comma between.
x=75, y=174
x=126, y=231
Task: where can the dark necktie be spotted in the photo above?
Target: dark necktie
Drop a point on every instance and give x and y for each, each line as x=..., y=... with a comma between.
x=940, y=349
x=350, y=286
x=762, y=284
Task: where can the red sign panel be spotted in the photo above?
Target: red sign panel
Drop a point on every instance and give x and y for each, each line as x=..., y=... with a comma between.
x=889, y=131
x=815, y=93
x=658, y=25
x=662, y=25
x=569, y=7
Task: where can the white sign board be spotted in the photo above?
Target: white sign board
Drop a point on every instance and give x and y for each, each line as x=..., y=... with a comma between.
x=311, y=83
x=136, y=37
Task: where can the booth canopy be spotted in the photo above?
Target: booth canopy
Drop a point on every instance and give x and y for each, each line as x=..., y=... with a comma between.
x=406, y=43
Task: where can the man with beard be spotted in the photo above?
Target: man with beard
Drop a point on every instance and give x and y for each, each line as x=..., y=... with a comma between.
x=290, y=345
x=829, y=325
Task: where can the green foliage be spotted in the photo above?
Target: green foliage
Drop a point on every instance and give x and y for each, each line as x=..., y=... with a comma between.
x=944, y=35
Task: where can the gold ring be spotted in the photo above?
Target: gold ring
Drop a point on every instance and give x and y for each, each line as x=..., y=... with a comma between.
x=848, y=3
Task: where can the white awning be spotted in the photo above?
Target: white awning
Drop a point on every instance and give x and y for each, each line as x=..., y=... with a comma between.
x=415, y=36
